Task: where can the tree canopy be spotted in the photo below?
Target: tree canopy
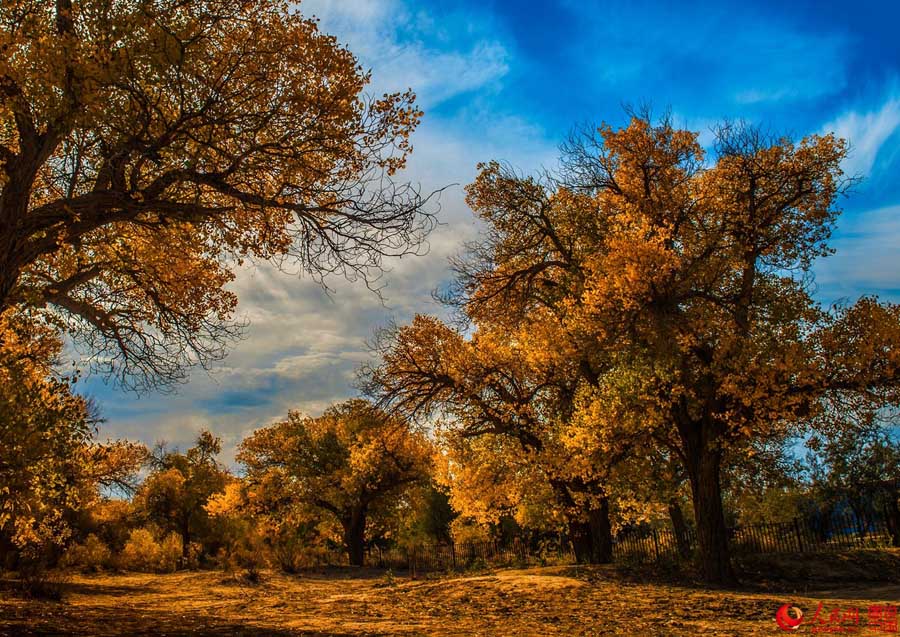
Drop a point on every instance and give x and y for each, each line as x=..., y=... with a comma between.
x=148, y=147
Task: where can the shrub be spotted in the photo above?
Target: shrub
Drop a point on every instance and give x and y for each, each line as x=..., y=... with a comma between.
x=111, y=521
x=289, y=554
x=246, y=559
x=91, y=555
x=171, y=549
x=144, y=552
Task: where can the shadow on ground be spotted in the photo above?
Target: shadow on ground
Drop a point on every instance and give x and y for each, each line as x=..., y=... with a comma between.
x=62, y=621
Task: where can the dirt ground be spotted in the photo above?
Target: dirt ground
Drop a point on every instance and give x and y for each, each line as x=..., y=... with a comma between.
x=524, y=602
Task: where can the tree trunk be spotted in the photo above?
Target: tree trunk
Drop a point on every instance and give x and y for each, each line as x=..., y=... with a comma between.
x=12, y=207
x=355, y=535
x=703, y=462
x=893, y=518
x=601, y=533
x=592, y=537
x=679, y=528
x=185, y=539
x=580, y=536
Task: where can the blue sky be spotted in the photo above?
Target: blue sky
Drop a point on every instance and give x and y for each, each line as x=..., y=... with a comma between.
x=507, y=80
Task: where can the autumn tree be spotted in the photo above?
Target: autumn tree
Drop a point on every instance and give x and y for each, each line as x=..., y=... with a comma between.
x=678, y=287
x=493, y=481
x=179, y=486
x=52, y=470
x=147, y=148
x=702, y=285
x=429, y=517
x=44, y=429
x=114, y=466
x=499, y=385
x=353, y=463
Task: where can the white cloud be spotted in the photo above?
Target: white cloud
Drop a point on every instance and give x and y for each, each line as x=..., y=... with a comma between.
x=866, y=132
x=350, y=11
x=391, y=40
x=866, y=260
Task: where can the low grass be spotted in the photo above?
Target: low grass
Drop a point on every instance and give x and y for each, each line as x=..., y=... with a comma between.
x=555, y=600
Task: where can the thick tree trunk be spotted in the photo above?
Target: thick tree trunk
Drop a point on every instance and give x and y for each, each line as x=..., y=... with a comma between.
x=354, y=524
x=712, y=534
x=580, y=536
x=592, y=537
x=601, y=532
x=703, y=461
x=12, y=207
x=679, y=528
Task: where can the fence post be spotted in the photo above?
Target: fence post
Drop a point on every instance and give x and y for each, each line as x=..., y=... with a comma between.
x=656, y=543
x=799, y=535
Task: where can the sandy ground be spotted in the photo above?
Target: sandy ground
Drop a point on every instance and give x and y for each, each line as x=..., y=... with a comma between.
x=534, y=601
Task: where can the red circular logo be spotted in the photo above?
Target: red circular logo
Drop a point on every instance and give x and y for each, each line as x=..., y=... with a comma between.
x=785, y=620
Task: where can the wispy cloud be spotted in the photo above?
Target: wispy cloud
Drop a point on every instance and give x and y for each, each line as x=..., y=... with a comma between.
x=867, y=132
x=406, y=50
x=867, y=257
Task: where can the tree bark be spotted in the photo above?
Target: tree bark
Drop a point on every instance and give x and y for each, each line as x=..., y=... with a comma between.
x=592, y=537
x=703, y=458
x=185, y=538
x=679, y=528
x=13, y=205
x=580, y=536
x=601, y=533
x=712, y=534
x=354, y=524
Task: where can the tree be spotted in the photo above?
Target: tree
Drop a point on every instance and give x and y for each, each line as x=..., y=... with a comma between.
x=147, y=148
x=174, y=495
x=492, y=479
x=44, y=429
x=679, y=290
x=430, y=516
x=497, y=385
x=114, y=465
x=354, y=463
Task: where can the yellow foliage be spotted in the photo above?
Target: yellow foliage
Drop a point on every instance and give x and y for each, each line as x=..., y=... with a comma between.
x=144, y=551
x=44, y=428
x=90, y=555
